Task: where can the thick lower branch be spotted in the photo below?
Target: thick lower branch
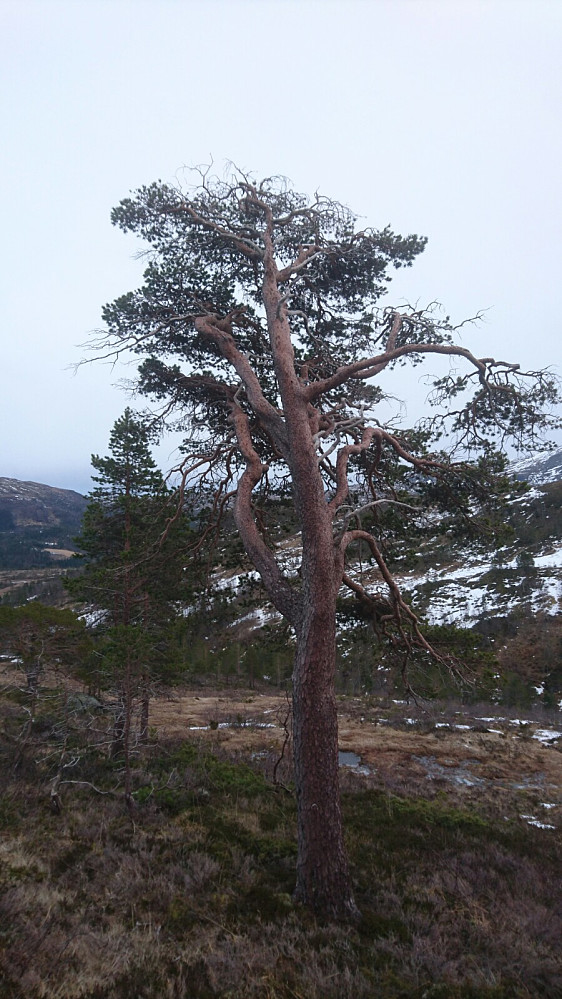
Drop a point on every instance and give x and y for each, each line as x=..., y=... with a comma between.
x=399, y=606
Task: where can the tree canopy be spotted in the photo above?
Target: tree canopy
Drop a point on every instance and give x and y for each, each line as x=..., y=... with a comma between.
x=133, y=542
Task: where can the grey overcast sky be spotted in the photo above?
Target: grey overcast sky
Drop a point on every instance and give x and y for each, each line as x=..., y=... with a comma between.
x=439, y=117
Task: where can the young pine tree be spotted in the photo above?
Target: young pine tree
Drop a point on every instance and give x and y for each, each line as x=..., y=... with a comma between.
x=134, y=548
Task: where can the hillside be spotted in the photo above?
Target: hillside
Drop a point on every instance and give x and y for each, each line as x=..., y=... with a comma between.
x=509, y=596
x=37, y=523
x=538, y=469
x=468, y=586
x=452, y=824
x=452, y=805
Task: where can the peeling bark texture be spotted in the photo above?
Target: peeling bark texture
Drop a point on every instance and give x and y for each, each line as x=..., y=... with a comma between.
x=268, y=302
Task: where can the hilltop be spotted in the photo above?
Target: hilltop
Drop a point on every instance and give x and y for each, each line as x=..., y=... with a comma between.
x=37, y=523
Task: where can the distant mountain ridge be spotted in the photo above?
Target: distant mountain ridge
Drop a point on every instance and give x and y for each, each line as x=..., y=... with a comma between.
x=37, y=522
x=38, y=504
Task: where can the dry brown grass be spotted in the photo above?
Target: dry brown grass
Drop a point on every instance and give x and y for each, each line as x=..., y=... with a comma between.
x=191, y=896
x=375, y=732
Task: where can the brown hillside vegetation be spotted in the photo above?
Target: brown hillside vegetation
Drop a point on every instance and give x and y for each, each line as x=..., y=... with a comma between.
x=190, y=894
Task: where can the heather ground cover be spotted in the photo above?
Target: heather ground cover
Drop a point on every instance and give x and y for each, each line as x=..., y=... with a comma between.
x=452, y=825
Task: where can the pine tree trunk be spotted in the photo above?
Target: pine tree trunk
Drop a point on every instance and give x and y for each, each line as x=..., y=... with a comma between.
x=144, y=711
x=117, y=739
x=127, y=742
x=323, y=880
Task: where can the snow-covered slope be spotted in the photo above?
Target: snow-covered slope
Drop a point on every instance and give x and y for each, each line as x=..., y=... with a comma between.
x=539, y=469
x=467, y=586
x=481, y=588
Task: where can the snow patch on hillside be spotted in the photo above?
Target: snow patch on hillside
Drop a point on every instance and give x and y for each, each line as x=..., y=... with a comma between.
x=540, y=468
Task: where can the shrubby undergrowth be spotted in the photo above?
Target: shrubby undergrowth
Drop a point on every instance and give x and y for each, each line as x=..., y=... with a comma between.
x=188, y=893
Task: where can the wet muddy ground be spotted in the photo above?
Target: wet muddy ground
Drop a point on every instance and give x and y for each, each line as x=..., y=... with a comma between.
x=505, y=763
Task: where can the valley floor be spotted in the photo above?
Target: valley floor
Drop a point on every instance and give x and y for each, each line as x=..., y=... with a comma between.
x=470, y=754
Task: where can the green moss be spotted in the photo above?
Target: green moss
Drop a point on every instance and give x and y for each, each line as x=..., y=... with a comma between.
x=225, y=835
x=172, y=800
x=377, y=812
x=234, y=777
x=213, y=777
x=179, y=757
x=390, y=835
x=219, y=775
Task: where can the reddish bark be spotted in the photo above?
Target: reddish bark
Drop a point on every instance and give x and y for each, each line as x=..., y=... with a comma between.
x=323, y=879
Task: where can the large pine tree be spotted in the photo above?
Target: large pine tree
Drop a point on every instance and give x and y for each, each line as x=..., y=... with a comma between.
x=259, y=319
